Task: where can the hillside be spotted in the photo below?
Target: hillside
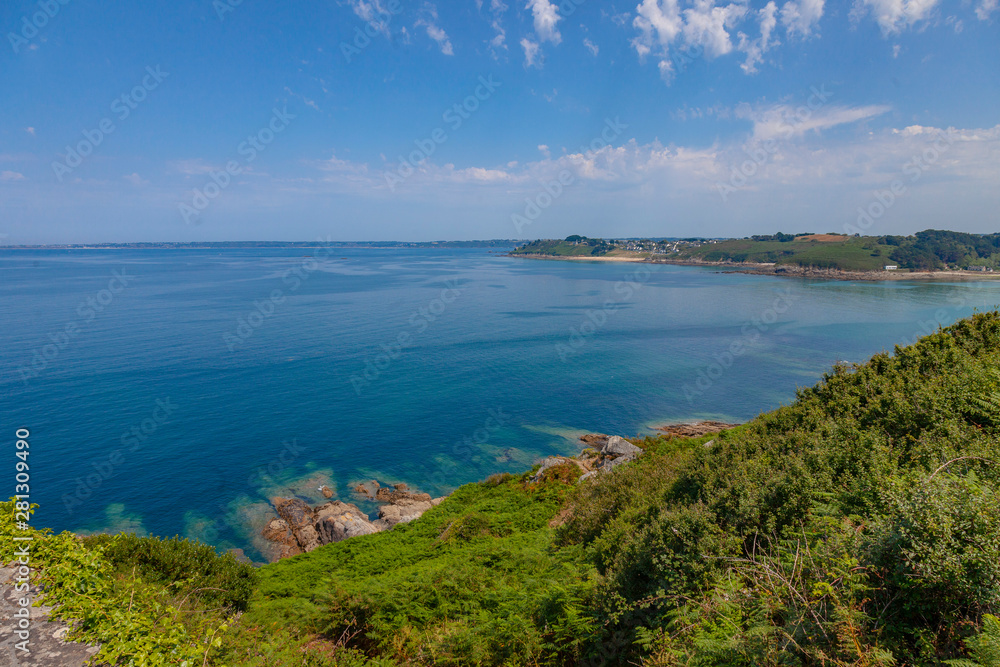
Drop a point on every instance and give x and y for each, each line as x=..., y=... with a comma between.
x=856, y=526
x=930, y=250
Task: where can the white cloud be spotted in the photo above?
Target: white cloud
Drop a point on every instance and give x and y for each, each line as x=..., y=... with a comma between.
x=544, y=150
x=373, y=12
x=438, y=35
x=195, y=167
x=755, y=49
x=499, y=40
x=800, y=16
x=783, y=121
x=30, y=130
x=590, y=46
x=135, y=179
x=658, y=23
x=530, y=52
x=546, y=17
x=894, y=16
x=985, y=8
x=11, y=176
x=429, y=21
x=706, y=26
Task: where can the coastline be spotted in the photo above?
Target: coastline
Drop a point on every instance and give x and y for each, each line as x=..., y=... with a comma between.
x=292, y=526
x=789, y=270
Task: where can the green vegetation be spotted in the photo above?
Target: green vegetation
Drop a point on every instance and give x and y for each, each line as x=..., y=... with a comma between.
x=572, y=246
x=855, y=527
x=925, y=251
x=146, y=601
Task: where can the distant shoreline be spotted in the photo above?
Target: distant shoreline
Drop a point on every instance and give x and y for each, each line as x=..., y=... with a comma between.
x=786, y=270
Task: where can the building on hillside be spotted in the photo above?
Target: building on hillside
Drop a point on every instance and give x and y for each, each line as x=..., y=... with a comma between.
x=891, y=267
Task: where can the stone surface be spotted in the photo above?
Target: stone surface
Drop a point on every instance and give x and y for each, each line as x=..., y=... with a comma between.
x=338, y=521
x=395, y=496
x=547, y=463
x=300, y=528
x=619, y=446
x=46, y=641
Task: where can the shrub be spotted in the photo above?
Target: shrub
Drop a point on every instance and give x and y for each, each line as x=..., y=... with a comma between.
x=217, y=580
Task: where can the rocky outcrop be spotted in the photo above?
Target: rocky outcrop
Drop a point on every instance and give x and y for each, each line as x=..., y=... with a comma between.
x=617, y=446
x=694, y=429
x=616, y=451
x=404, y=511
x=338, y=521
x=299, y=528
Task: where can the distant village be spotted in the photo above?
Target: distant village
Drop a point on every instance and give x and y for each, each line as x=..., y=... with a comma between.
x=656, y=247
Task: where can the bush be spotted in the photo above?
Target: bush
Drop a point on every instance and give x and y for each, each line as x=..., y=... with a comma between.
x=217, y=580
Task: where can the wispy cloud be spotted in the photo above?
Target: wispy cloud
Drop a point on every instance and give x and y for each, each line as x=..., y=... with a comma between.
x=530, y=52
x=429, y=21
x=800, y=17
x=782, y=121
x=894, y=16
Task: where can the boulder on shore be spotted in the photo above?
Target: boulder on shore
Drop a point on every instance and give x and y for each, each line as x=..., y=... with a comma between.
x=299, y=528
x=617, y=446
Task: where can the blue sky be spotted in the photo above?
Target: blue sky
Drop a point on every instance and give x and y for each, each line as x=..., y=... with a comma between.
x=370, y=119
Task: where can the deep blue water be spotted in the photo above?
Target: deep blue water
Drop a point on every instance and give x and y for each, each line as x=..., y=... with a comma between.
x=502, y=361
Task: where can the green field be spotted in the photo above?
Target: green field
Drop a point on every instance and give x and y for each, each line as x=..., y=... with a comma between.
x=854, y=254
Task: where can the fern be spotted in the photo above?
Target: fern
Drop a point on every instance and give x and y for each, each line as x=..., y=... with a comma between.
x=984, y=648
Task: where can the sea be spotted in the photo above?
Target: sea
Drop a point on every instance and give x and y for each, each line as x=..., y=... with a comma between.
x=175, y=391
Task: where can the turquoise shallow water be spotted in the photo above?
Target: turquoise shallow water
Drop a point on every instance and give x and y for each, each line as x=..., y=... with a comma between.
x=177, y=402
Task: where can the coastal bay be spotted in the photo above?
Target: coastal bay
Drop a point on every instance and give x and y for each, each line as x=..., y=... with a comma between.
x=509, y=368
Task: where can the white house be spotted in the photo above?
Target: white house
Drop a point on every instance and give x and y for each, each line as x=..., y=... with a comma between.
x=891, y=267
